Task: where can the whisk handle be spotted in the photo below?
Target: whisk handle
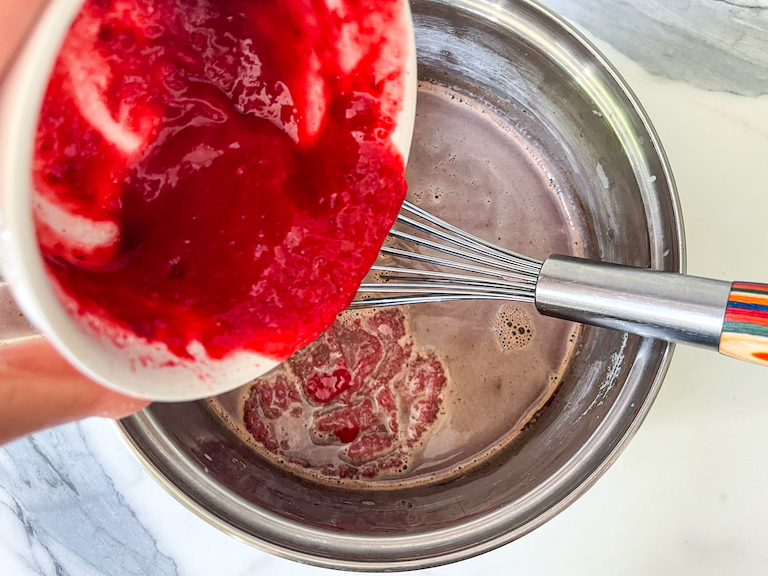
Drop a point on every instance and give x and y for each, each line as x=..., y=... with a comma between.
x=745, y=329
x=650, y=303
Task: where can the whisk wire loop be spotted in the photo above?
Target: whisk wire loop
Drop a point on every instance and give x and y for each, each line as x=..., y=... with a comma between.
x=489, y=272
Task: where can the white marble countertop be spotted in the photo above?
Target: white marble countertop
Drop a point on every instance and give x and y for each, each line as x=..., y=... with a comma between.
x=690, y=493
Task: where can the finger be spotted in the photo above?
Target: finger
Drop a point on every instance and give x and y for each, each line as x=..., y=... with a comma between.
x=17, y=17
x=39, y=389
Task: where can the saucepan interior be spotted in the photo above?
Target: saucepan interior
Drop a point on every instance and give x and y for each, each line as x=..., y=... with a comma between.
x=549, y=83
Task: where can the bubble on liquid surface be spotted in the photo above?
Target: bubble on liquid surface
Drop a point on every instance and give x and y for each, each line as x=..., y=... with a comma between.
x=513, y=328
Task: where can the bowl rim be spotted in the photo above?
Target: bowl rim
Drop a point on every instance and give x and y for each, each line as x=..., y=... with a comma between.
x=128, y=428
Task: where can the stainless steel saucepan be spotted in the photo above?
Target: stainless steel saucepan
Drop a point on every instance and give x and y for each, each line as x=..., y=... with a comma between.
x=545, y=79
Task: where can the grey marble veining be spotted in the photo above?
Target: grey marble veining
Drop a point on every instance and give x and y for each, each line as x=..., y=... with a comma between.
x=719, y=45
x=64, y=515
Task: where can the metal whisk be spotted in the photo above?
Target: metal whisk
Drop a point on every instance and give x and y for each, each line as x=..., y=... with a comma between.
x=444, y=263
x=489, y=272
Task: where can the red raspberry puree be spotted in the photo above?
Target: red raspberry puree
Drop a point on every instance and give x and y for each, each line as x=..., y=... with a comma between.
x=354, y=404
x=220, y=172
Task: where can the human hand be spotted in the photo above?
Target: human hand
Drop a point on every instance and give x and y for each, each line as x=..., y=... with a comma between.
x=38, y=388
x=17, y=17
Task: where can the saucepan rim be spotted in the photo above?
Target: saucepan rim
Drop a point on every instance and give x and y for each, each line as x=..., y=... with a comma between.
x=209, y=500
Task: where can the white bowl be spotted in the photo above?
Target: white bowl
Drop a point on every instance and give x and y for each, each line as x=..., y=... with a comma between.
x=121, y=367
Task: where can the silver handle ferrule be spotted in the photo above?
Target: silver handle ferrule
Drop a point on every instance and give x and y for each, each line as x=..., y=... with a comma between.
x=650, y=303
